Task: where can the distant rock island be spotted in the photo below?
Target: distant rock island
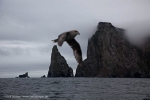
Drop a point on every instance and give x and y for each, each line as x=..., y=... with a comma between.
x=43, y=76
x=59, y=66
x=24, y=75
x=109, y=54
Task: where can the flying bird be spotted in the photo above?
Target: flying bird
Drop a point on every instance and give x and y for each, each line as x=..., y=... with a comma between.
x=69, y=37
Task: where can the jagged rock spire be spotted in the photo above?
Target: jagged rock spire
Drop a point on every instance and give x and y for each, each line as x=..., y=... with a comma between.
x=58, y=66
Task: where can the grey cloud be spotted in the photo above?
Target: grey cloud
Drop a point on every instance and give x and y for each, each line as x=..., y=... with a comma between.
x=138, y=32
x=4, y=52
x=13, y=51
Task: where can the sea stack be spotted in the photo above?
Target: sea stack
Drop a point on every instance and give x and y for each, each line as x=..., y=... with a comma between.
x=109, y=54
x=24, y=75
x=58, y=66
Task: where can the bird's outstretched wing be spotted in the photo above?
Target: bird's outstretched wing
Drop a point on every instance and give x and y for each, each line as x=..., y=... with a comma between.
x=76, y=50
x=61, y=39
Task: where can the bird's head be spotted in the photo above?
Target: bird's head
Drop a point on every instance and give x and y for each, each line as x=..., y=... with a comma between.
x=73, y=33
x=76, y=32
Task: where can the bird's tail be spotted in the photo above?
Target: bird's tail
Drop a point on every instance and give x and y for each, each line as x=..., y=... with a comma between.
x=55, y=40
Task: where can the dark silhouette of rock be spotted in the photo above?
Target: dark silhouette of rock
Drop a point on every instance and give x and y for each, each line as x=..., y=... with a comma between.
x=43, y=76
x=24, y=75
x=59, y=66
x=137, y=75
x=109, y=54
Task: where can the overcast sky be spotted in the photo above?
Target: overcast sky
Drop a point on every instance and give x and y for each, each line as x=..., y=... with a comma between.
x=28, y=26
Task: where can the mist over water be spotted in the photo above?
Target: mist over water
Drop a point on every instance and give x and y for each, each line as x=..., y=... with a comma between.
x=75, y=89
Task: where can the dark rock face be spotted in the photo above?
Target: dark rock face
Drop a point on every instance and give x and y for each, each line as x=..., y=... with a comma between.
x=43, y=76
x=59, y=66
x=24, y=75
x=109, y=54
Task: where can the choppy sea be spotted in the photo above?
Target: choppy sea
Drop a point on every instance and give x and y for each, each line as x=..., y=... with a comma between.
x=74, y=89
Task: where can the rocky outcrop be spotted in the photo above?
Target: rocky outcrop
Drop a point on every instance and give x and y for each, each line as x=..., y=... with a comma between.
x=24, y=75
x=59, y=66
x=43, y=76
x=109, y=54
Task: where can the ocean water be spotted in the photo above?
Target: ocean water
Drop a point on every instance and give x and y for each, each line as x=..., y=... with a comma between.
x=74, y=89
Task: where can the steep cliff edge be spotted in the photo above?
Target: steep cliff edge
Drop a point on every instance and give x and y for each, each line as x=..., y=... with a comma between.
x=59, y=66
x=109, y=54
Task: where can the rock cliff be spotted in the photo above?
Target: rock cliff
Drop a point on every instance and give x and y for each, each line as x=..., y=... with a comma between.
x=109, y=54
x=59, y=66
